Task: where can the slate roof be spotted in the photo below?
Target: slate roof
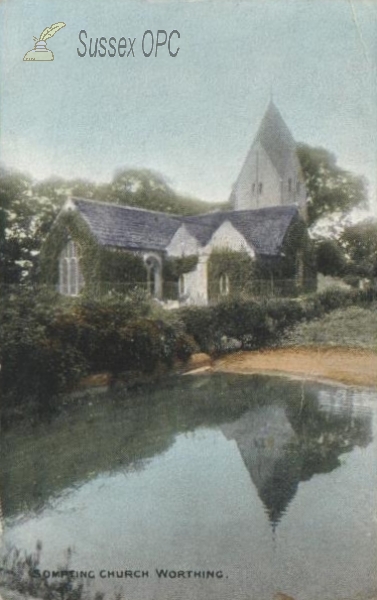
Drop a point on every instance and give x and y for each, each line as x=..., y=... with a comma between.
x=276, y=138
x=117, y=226
x=264, y=229
x=127, y=227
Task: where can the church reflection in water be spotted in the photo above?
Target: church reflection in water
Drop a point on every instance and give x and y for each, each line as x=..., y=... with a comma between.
x=285, y=432
x=283, y=444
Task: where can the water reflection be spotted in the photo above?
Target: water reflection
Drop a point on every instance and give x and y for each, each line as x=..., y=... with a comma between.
x=282, y=444
x=285, y=433
x=196, y=475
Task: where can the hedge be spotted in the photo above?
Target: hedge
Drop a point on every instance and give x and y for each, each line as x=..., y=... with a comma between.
x=48, y=343
x=260, y=323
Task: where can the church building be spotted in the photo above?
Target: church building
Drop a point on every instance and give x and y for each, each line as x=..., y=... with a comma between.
x=259, y=245
x=271, y=174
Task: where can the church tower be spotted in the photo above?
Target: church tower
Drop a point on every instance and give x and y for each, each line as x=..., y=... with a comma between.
x=271, y=174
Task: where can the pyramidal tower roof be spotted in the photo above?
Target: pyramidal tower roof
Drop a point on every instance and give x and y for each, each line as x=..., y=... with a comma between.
x=275, y=137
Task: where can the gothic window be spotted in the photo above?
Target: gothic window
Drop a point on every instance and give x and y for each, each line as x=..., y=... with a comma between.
x=253, y=189
x=70, y=277
x=224, y=285
x=260, y=189
x=289, y=185
x=181, y=285
x=154, y=278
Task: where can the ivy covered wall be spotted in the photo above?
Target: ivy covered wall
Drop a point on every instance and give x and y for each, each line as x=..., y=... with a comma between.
x=229, y=272
x=101, y=267
x=289, y=274
x=238, y=267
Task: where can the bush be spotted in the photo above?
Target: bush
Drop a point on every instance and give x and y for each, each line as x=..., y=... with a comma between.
x=185, y=346
x=284, y=314
x=115, y=337
x=144, y=344
x=245, y=320
x=333, y=298
x=200, y=325
x=34, y=366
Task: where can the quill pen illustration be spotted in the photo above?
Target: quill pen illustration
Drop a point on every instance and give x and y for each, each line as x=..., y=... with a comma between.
x=40, y=51
x=48, y=32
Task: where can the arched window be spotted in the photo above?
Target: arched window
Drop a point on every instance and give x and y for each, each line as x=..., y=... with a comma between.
x=224, y=285
x=154, y=276
x=260, y=188
x=289, y=185
x=181, y=285
x=71, y=280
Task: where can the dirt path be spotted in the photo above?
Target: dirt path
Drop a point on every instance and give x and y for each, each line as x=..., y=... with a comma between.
x=345, y=365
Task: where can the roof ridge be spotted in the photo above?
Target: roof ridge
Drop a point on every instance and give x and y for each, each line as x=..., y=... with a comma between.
x=276, y=208
x=125, y=206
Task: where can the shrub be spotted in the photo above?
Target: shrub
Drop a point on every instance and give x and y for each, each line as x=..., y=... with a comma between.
x=145, y=344
x=333, y=298
x=244, y=320
x=284, y=314
x=199, y=324
x=185, y=346
x=34, y=366
x=312, y=308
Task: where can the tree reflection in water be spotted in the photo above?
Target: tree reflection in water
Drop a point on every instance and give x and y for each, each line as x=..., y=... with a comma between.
x=284, y=432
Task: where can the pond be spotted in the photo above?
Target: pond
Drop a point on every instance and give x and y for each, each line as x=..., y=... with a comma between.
x=209, y=487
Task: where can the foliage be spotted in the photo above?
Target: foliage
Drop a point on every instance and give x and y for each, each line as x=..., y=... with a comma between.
x=297, y=246
x=283, y=314
x=17, y=573
x=259, y=276
x=238, y=266
x=330, y=188
x=334, y=297
x=27, y=212
x=34, y=364
x=119, y=338
x=353, y=326
x=148, y=189
x=19, y=227
x=28, y=209
x=200, y=325
x=117, y=266
x=103, y=269
x=174, y=267
x=48, y=343
x=331, y=259
x=69, y=226
x=257, y=324
x=359, y=242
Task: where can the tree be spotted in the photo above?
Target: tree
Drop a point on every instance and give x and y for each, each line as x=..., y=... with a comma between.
x=330, y=188
x=15, y=192
x=28, y=209
x=359, y=242
x=27, y=212
x=147, y=189
x=331, y=258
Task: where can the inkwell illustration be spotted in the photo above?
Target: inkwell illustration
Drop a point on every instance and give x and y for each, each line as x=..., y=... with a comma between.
x=40, y=51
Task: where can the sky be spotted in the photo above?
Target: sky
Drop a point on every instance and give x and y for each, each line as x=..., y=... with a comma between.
x=191, y=117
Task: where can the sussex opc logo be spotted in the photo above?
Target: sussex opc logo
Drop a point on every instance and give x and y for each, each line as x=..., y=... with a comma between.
x=40, y=51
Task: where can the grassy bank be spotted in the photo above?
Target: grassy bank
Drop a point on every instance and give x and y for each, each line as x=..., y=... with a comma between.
x=352, y=327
